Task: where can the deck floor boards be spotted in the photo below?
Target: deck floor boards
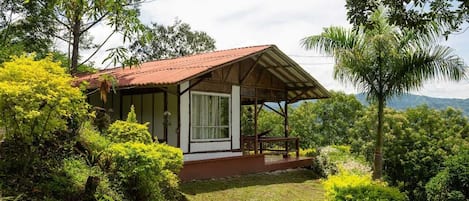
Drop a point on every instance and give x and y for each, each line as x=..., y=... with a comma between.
x=240, y=165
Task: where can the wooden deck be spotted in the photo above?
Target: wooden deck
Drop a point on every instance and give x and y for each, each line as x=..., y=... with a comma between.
x=239, y=165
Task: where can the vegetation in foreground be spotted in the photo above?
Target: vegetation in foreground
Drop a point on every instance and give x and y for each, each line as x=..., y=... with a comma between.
x=50, y=151
x=289, y=185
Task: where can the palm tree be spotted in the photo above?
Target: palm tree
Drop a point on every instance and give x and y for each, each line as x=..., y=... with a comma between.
x=384, y=61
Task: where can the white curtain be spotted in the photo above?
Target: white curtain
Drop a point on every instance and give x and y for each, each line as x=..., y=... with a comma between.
x=210, y=117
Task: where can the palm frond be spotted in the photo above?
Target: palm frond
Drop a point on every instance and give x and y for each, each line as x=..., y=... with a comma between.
x=331, y=39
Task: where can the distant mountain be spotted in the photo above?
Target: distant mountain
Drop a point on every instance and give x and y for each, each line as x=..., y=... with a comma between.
x=411, y=100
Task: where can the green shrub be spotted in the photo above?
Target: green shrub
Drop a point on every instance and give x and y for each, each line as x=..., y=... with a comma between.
x=92, y=139
x=347, y=186
x=172, y=163
x=122, y=131
x=146, y=171
x=129, y=131
x=452, y=183
x=370, y=192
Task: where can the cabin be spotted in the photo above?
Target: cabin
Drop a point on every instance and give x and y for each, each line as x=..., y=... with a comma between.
x=195, y=103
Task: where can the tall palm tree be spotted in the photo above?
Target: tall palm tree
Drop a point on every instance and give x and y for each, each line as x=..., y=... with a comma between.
x=384, y=61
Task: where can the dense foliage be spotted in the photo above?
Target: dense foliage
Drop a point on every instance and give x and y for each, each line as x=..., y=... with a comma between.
x=325, y=122
x=444, y=15
x=420, y=139
x=50, y=151
x=452, y=183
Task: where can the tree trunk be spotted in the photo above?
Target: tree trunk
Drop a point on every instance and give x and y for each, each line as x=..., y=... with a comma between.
x=378, y=163
x=76, y=42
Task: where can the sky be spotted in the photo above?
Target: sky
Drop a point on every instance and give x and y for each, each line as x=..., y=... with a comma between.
x=244, y=23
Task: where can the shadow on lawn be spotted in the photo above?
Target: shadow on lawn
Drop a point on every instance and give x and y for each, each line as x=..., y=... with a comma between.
x=261, y=179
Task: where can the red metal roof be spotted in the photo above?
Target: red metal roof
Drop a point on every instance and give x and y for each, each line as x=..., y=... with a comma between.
x=173, y=71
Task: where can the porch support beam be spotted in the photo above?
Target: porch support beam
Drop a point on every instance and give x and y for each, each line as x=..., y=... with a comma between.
x=294, y=99
x=192, y=86
x=165, y=108
x=274, y=110
x=286, y=126
x=256, y=139
x=281, y=108
x=225, y=77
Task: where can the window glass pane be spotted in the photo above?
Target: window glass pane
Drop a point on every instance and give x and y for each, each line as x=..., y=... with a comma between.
x=210, y=116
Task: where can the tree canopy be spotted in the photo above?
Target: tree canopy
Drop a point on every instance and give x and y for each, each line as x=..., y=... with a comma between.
x=445, y=15
x=171, y=41
x=39, y=23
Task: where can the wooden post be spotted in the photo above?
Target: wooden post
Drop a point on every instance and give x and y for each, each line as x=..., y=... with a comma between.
x=285, y=125
x=178, y=132
x=165, y=109
x=297, y=143
x=256, y=140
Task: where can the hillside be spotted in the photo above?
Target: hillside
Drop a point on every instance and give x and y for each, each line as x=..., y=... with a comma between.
x=411, y=100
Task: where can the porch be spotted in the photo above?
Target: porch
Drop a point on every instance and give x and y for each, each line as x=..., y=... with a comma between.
x=239, y=165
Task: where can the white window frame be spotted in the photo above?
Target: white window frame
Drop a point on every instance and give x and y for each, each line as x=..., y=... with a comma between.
x=229, y=116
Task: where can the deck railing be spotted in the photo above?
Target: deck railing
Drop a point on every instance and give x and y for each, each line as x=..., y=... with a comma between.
x=271, y=145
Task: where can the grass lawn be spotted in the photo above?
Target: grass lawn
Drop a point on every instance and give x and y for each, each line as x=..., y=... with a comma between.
x=287, y=185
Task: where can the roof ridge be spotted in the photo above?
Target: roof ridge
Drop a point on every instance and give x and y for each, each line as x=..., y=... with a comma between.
x=214, y=51
x=175, y=58
x=186, y=56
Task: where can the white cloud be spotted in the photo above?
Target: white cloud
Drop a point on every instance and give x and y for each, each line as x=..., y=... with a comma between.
x=283, y=23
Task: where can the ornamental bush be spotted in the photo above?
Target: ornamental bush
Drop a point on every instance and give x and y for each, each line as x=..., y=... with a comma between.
x=40, y=116
x=129, y=131
x=37, y=99
x=146, y=171
x=347, y=186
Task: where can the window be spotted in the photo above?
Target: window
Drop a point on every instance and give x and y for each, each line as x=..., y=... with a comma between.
x=210, y=116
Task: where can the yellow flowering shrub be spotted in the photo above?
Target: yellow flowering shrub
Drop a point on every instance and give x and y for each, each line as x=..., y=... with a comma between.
x=347, y=186
x=146, y=171
x=40, y=115
x=37, y=98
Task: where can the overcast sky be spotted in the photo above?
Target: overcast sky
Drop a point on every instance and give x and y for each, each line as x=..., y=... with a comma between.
x=283, y=23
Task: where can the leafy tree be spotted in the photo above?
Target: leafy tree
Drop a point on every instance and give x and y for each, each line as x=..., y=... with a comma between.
x=23, y=28
x=171, y=41
x=384, y=61
x=76, y=18
x=269, y=120
x=326, y=122
x=70, y=22
x=448, y=15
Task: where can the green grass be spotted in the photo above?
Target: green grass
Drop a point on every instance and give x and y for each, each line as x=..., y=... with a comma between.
x=290, y=185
